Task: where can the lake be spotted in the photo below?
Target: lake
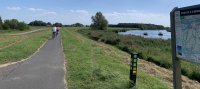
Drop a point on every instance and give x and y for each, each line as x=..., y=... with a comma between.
x=148, y=33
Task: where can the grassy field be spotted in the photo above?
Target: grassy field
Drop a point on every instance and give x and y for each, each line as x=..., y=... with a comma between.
x=154, y=50
x=15, y=48
x=5, y=32
x=94, y=65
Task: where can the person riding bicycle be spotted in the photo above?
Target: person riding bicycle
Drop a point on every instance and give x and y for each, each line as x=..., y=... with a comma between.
x=54, y=32
x=57, y=30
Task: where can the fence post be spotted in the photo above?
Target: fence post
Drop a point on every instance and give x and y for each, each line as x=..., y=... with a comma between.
x=133, y=69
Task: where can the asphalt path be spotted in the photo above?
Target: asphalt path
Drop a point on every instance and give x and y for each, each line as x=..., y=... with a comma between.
x=44, y=70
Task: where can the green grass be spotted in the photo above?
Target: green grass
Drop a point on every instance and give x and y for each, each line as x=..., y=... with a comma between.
x=6, y=40
x=157, y=51
x=28, y=44
x=93, y=65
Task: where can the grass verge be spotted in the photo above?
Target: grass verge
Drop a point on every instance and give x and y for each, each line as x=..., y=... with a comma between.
x=28, y=44
x=93, y=65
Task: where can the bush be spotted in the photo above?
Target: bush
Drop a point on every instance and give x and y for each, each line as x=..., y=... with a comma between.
x=184, y=72
x=195, y=75
x=125, y=48
x=22, y=26
x=112, y=42
x=38, y=23
x=5, y=26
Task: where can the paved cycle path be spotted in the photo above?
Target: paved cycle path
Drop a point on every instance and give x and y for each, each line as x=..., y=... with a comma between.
x=44, y=70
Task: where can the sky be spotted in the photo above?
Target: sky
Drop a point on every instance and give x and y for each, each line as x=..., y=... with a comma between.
x=73, y=11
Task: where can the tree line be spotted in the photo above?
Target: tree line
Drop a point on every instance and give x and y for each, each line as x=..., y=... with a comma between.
x=75, y=25
x=42, y=23
x=138, y=25
x=100, y=22
x=13, y=24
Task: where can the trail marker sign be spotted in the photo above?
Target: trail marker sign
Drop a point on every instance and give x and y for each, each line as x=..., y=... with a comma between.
x=133, y=69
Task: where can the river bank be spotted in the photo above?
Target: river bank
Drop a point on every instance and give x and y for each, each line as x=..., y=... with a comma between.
x=157, y=51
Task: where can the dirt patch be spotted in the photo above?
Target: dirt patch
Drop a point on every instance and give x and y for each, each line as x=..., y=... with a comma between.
x=2, y=39
x=24, y=33
x=166, y=75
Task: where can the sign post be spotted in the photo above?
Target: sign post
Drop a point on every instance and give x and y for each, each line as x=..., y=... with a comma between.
x=185, y=34
x=133, y=69
x=176, y=62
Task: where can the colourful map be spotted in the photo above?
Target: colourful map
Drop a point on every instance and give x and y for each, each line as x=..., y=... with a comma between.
x=188, y=37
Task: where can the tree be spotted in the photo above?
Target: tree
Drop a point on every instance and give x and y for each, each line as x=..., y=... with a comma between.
x=49, y=24
x=57, y=24
x=22, y=26
x=15, y=24
x=99, y=22
x=6, y=24
x=12, y=24
x=38, y=23
x=1, y=23
x=77, y=25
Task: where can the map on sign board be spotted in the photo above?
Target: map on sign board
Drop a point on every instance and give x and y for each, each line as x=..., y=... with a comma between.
x=187, y=31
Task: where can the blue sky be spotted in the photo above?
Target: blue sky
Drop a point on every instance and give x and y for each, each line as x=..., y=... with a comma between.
x=72, y=11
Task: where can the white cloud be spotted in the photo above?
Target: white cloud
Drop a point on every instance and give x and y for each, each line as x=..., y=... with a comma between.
x=74, y=16
x=79, y=11
x=14, y=8
x=49, y=13
x=36, y=9
x=84, y=16
x=82, y=11
x=134, y=16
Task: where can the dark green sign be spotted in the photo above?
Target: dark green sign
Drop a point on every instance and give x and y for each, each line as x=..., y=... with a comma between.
x=133, y=69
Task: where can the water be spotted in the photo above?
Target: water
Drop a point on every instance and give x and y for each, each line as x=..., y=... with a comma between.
x=151, y=33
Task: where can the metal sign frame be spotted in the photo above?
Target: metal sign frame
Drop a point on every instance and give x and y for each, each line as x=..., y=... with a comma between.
x=176, y=61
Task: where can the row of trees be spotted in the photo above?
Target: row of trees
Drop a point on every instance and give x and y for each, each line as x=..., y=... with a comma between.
x=138, y=25
x=100, y=22
x=39, y=23
x=42, y=23
x=75, y=25
x=13, y=24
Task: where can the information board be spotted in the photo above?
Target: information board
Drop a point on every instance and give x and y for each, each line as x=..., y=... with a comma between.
x=187, y=33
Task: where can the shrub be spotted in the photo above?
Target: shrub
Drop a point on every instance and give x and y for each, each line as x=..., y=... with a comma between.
x=5, y=26
x=126, y=49
x=184, y=72
x=22, y=26
x=195, y=75
x=140, y=55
